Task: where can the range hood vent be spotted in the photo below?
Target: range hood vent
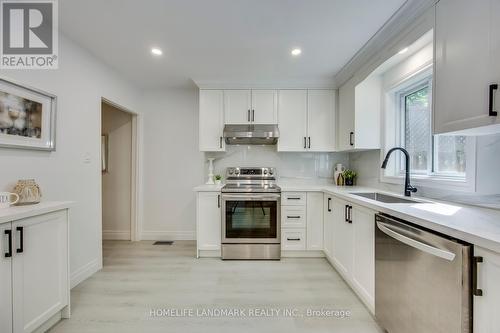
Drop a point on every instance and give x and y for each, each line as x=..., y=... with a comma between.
x=251, y=134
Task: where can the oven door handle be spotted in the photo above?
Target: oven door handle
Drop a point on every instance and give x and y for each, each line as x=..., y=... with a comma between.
x=415, y=243
x=252, y=197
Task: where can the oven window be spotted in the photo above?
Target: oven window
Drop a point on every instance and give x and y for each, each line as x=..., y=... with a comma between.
x=251, y=219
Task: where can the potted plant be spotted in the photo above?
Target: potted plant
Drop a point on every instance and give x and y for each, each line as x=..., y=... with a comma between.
x=349, y=177
x=218, y=179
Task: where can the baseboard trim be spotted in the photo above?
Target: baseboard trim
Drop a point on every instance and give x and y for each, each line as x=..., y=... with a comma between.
x=168, y=235
x=115, y=235
x=303, y=254
x=84, y=272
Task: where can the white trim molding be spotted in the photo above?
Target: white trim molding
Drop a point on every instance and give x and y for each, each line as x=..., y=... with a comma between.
x=115, y=235
x=85, y=272
x=168, y=235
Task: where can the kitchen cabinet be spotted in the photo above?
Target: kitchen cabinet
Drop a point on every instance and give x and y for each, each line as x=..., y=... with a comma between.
x=359, y=114
x=328, y=226
x=211, y=120
x=306, y=120
x=34, y=272
x=486, y=319
x=342, y=238
x=245, y=106
x=363, y=272
x=314, y=221
x=467, y=49
x=208, y=223
x=293, y=239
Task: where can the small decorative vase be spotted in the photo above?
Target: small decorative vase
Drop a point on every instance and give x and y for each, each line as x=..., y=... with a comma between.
x=339, y=169
x=29, y=192
x=349, y=182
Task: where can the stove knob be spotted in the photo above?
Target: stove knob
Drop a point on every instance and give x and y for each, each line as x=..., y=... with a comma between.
x=271, y=172
x=265, y=171
x=237, y=172
x=230, y=171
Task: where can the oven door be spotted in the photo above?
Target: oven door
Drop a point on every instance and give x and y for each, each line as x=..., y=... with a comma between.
x=251, y=218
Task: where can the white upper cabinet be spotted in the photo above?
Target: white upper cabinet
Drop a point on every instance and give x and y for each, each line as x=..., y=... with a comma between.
x=321, y=120
x=359, y=114
x=292, y=115
x=211, y=120
x=264, y=106
x=237, y=106
x=306, y=120
x=467, y=42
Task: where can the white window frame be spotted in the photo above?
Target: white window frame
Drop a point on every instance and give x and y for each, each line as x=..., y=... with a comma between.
x=392, y=109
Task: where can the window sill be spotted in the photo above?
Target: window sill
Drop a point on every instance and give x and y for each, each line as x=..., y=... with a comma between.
x=439, y=182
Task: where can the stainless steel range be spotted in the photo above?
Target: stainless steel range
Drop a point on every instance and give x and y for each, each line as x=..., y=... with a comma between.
x=251, y=204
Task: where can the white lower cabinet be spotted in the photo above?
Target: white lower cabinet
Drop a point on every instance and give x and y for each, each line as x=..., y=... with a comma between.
x=328, y=226
x=208, y=223
x=486, y=319
x=34, y=272
x=293, y=239
x=342, y=238
x=315, y=221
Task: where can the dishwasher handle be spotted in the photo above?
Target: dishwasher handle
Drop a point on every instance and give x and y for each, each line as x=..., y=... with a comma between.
x=385, y=228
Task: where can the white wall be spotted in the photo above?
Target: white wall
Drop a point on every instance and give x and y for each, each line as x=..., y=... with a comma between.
x=116, y=181
x=67, y=174
x=172, y=163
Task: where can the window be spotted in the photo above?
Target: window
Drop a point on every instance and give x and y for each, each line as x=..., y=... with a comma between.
x=430, y=155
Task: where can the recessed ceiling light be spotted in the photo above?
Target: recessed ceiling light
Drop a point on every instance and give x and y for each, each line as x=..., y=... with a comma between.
x=156, y=51
x=403, y=50
x=296, y=52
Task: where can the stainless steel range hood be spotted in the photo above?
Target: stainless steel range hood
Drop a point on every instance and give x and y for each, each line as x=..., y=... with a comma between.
x=251, y=134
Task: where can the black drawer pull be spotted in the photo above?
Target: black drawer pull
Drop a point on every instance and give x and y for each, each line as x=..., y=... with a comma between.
x=293, y=198
x=21, y=240
x=329, y=208
x=492, y=112
x=351, y=138
x=293, y=217
x=475, y=290
x=8, y=254
x=293, y=239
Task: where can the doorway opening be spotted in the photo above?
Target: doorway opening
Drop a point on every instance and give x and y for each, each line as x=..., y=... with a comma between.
x=118, y=172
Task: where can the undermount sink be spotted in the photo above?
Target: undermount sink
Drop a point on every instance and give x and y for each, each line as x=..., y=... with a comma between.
x=385, y=198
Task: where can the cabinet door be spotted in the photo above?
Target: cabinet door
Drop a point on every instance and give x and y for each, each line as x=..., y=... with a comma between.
x=264, y=107
x=208, y=221
x=321, y=120
x=328, y=226
x=292, y=116
x=211, y=120
x=237, y=108
x=345, y=128
x=363, y=272
x=342, y=238
x=39, y=269
x=467, y=51
x=486, y=319
x=5, y=280
x=314, y=221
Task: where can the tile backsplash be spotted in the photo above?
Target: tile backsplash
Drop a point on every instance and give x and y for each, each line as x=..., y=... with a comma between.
x=304, y=165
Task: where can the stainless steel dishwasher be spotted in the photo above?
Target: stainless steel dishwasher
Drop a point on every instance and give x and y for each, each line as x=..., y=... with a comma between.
x=423, y=280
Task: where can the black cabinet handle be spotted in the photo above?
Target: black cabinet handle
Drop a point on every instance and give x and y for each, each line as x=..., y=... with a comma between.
x=492, y=112
x=293, y=198
x=8, y=254
x=329, y=208
x=218, y=201
x=345, y=213
x=220, y=142
x=21, y=240
x=293, y=239
x=475, y=290
x=309, y=143
x=253, y=115
x=293, y=217
x=305, y=142
x=351, y=138
x=248, y=116
x=349, y=210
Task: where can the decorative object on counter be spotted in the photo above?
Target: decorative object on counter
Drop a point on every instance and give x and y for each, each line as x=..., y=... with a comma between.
x=27, y=117
x=349, y=177
x=339, y=169
x=104, y=153
x=218, y=179
x=210, y=180
x=5, y=199
x=28, y=191
x=340, y=181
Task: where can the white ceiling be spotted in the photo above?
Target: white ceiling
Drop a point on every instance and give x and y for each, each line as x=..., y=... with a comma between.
x=225, y=42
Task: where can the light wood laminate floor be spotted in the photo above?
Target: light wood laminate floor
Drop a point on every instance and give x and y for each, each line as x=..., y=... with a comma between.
x=138, y=277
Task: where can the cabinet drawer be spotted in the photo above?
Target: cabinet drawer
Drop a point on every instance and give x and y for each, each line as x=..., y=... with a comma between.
x=293, y=199
x=293, y=239
x=293, y=216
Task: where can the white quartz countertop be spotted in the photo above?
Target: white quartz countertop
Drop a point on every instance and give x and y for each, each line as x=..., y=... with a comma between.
x=21, y=212
x=475, y=225
x=208, y=188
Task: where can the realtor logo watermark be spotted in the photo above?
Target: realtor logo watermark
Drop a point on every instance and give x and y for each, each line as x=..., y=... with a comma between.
x=29, y=34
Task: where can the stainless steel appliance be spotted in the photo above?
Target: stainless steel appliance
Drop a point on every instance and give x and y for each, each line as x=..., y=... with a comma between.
x=251, y=134
x=251, y=204
x=423, y=281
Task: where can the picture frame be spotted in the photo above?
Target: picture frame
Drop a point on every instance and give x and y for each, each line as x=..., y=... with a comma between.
x=27, y=117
